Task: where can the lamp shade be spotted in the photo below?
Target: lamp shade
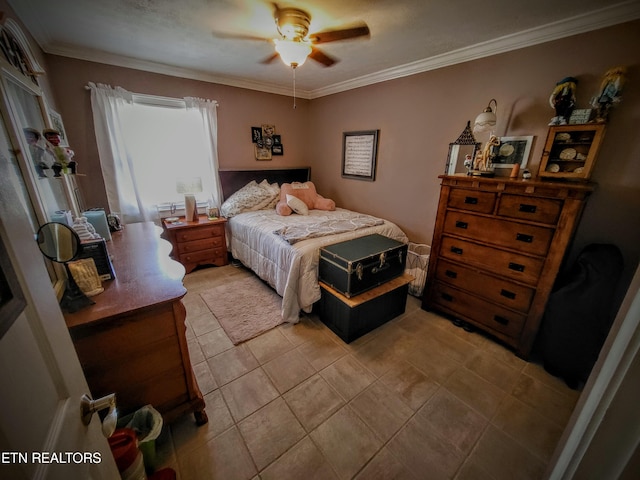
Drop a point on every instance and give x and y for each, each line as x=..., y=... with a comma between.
x=189, y=185
x=293, y=53
x=487, y=119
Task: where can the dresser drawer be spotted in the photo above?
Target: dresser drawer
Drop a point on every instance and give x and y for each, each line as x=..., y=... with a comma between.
x=187, y=235
x=511, y=265
x=210, y=255
x=475, y=201
x=494, y=317
x=543, y=210
x=518, y=236
x=197, y=245
x=493, y=289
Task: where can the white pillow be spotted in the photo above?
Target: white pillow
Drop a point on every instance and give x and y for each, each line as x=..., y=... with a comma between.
x=274, y=195
x=245, y=199
x=297, y=205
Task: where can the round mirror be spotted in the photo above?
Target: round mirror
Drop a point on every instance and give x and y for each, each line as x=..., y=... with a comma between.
x=58, y=242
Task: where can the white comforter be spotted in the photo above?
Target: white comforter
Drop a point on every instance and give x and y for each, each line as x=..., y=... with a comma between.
x=292, y=270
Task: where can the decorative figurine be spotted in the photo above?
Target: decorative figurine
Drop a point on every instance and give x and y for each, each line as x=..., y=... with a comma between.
x=484, y=158
x=468, y=163
x=41, y=159
x=63, y=155
x=610, y=93
x=563, y=99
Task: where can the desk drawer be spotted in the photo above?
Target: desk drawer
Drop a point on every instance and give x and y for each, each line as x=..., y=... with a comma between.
x=197, y=245
x=502, y=263
x=494, y=289
x=492, y=316
x=543, y=210
x=187, y=235
x=472, y=200
x=517, y=236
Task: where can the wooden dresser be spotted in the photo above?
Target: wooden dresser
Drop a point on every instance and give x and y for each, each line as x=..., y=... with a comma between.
x=132, y=341
x=197, y=243
x=497, y=248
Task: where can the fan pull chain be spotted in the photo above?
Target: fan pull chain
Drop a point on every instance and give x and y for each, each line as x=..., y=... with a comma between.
x=294, y=87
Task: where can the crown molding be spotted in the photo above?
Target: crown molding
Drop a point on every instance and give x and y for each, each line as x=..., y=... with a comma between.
x=605, y=17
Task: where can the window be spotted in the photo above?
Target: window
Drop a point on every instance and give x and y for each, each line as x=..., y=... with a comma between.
x=146, y=143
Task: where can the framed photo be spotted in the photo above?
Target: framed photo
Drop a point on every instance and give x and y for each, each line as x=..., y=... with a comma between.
x=277, y=149
x=56, y=123
x=12, y=301
x=277, y=140
x=256, y=134
x=262, y=153
x=268, y=130
x=359, y=152
x=513, y=150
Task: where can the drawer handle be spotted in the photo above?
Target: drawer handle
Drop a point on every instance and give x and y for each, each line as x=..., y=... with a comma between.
x=456, y=250
x=522, y=237
x=527, y=208
x=501, y=320
x=447, y=297
x=451, y=274
x=507, y=294
x=460, y=224
x=471, y=200
x=516, y=266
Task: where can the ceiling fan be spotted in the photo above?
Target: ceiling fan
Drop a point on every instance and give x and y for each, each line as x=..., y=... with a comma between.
x=296, y=43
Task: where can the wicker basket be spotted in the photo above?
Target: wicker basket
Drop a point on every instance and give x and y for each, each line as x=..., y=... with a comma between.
x=417, y=264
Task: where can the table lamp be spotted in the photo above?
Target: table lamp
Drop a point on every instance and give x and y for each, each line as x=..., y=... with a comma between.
x=189, y=187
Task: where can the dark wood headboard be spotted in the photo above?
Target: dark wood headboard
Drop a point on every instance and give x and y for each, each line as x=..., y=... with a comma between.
x=234, y=180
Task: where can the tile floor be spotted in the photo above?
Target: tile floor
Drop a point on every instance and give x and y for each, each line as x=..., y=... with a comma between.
x=417, y=398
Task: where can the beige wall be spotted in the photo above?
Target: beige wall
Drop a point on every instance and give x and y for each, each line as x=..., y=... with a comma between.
x=417, y=117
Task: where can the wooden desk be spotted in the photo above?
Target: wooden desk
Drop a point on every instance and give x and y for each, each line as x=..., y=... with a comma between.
x=132, y=341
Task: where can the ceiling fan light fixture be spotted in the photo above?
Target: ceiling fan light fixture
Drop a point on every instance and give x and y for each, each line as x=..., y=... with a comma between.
x=293, y=52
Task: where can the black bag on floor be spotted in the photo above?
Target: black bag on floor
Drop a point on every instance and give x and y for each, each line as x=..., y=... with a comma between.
x=579, y=314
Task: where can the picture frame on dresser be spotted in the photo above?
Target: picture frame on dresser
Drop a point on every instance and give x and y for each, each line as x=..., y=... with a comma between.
x=512, y=151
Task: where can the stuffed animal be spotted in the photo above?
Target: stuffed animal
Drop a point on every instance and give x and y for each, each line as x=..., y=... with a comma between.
x=303, y=191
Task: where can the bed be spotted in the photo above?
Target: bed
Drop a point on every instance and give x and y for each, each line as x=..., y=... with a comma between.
x=291, y=269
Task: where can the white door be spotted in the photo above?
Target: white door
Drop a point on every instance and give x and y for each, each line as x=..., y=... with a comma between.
x=41, y=381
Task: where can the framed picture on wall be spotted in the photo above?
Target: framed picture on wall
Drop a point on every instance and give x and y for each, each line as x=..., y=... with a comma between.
x=513, y=150
x=359, y=152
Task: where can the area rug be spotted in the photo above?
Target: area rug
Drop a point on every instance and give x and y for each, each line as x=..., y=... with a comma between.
x=245, y=308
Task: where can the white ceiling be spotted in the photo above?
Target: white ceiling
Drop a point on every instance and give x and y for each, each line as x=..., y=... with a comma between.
x=176, y=37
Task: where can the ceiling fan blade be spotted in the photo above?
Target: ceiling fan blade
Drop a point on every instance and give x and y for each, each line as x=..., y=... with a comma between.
x=321, y=57
x=342, y=34
x=270, y=58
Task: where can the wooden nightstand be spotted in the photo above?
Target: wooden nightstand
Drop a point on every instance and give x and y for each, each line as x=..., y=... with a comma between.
x=197, y=243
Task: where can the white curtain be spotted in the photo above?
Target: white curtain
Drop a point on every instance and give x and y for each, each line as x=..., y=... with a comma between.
x=208, y=110
x=126, y=182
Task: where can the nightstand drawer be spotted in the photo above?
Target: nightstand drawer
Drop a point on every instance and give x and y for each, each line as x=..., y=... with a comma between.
x=492, y=316
x=199, y=233
x=502, y=263
x=543, y=210
x=493, y=289
x=472, y=200
x=200, y=256
x=517, y=236
x=197, y=245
